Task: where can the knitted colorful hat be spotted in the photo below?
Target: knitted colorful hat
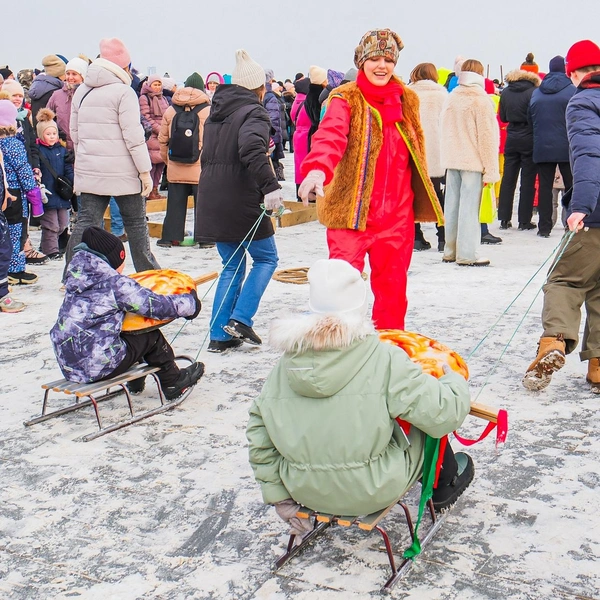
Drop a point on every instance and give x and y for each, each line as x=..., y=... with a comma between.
x=334, y=78
x=25, y=77
x=45, y=120
x=8, y=114
x=195, y=81
x=53, y=66
x=582, y=54
x=105, y=243
x=114, y=50
x=378, y=42
x=247, y=73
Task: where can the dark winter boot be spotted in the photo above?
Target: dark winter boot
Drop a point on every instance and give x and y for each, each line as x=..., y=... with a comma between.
x=445, y=496
x=188, y=377
x=550, y=358
x=242, y=332
x=136, y=386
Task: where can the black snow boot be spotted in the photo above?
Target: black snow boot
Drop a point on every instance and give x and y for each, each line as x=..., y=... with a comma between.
x=188, y=377
x=445, y=496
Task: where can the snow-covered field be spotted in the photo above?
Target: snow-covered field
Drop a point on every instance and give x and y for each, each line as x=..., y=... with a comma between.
x=168, y=508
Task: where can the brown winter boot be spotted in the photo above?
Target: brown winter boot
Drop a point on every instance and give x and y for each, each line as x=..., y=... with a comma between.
x=550, y=358
x=154, y=195
x=593, y=374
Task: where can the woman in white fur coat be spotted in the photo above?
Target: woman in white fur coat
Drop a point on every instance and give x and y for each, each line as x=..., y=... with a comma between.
x=469, y=153
x=432, y=95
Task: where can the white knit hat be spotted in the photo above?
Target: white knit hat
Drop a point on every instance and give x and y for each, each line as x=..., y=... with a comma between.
x=78, y=65
x=247, y=73
x=336, y=287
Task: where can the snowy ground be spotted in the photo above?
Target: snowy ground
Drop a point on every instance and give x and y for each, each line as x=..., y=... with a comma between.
x=169, y=509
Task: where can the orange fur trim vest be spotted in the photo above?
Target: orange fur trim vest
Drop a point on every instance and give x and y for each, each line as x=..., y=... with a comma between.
x=348, y=196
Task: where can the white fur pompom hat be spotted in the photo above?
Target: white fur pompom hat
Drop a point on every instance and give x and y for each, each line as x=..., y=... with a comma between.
x=336, y=287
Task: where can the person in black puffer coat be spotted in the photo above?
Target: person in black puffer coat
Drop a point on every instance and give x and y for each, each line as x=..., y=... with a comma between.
x=236, y=179
x=518, y=154
x=550, y=143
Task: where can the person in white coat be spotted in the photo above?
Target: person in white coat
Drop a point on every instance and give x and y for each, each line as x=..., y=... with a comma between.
x=111, y=157
x=469, y=153
x=432, y=95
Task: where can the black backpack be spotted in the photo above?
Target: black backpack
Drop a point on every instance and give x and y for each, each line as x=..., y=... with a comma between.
x=185, y=138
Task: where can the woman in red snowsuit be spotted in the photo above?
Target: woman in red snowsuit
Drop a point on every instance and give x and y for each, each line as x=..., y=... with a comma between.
x=369, y=154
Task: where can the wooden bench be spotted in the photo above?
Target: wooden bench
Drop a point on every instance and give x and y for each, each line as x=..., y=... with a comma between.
x=366, y=523
x=106, y=387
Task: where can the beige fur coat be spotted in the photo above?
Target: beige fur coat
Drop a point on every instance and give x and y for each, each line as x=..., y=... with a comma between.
x=470, y=133
x=432, y=96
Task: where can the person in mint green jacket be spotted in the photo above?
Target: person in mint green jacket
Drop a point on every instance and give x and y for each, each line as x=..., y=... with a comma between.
x=323, y=432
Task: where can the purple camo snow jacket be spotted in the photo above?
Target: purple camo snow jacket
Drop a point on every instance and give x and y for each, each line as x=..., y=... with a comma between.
x=86, y=337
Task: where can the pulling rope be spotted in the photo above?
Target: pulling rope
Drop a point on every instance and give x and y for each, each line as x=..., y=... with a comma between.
x=567, y=237
x=251, y=233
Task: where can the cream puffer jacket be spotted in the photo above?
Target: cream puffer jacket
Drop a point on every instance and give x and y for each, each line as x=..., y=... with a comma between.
x=108, y=138
x=432, y=96
x=470, y=133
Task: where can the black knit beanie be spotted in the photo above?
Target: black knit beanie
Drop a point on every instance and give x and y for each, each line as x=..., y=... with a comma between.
x=105, y=243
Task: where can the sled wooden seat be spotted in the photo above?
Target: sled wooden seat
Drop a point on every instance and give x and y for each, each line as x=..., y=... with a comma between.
x=101, y=391
x=366, y=523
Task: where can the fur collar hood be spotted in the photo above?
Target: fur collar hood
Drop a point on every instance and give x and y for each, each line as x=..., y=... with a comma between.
x=520, y=75
x=323, y=353
x=426, y=85
x=319, y=332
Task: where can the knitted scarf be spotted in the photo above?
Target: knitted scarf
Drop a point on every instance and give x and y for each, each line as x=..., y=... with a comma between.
x=387, y=99
x=155, y=100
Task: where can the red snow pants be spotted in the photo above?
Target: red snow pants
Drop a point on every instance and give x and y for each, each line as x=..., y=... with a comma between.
x=390, y=252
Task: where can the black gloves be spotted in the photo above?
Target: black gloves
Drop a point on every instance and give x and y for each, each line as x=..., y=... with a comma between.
x=198, y=306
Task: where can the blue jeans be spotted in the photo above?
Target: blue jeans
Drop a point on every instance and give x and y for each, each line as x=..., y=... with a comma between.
x=116, y=220
x=235, y=298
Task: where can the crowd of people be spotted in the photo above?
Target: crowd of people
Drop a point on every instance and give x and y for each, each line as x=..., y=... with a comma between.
x=379, y=156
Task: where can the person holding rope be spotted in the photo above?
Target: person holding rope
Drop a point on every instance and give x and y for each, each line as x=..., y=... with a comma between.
x=367, y=164
x=237, y=179
x=575, y=276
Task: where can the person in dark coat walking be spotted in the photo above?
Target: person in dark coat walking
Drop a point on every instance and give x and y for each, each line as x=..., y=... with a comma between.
x=575, y=278
x=236, y=180
x=518, y=153
x=550, y=144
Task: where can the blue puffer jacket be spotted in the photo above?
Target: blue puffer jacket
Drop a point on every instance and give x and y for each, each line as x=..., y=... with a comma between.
x=583, y=129
x=547, y=115
x=86, y=337
x=61, y=164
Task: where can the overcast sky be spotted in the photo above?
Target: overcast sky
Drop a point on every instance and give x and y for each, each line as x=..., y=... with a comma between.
x=183, y=36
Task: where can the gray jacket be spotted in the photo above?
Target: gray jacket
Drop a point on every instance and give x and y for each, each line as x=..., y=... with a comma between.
x=108, y=138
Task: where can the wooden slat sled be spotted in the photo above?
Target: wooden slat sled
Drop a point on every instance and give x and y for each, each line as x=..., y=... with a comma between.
x=371, y=522
x=92, y=394
x=366, y=523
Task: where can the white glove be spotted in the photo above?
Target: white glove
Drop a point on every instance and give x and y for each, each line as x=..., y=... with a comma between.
x=313, y=182
x=286, y=510
x=146, y=184
x=274, y=200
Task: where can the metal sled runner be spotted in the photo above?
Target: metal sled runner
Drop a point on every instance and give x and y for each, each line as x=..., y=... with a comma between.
x=107, y=390
x=367, y=523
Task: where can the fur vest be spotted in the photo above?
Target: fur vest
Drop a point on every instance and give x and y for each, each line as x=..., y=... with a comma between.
x=348, y=195
x=431, y=101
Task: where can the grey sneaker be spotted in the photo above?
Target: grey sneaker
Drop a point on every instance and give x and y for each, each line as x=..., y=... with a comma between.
x=9, y=305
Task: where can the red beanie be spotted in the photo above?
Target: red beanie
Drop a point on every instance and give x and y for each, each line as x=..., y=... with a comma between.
x=114, y=50
x=582, y=54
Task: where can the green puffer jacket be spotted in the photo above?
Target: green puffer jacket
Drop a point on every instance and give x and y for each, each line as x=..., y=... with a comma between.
x=322, y=430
